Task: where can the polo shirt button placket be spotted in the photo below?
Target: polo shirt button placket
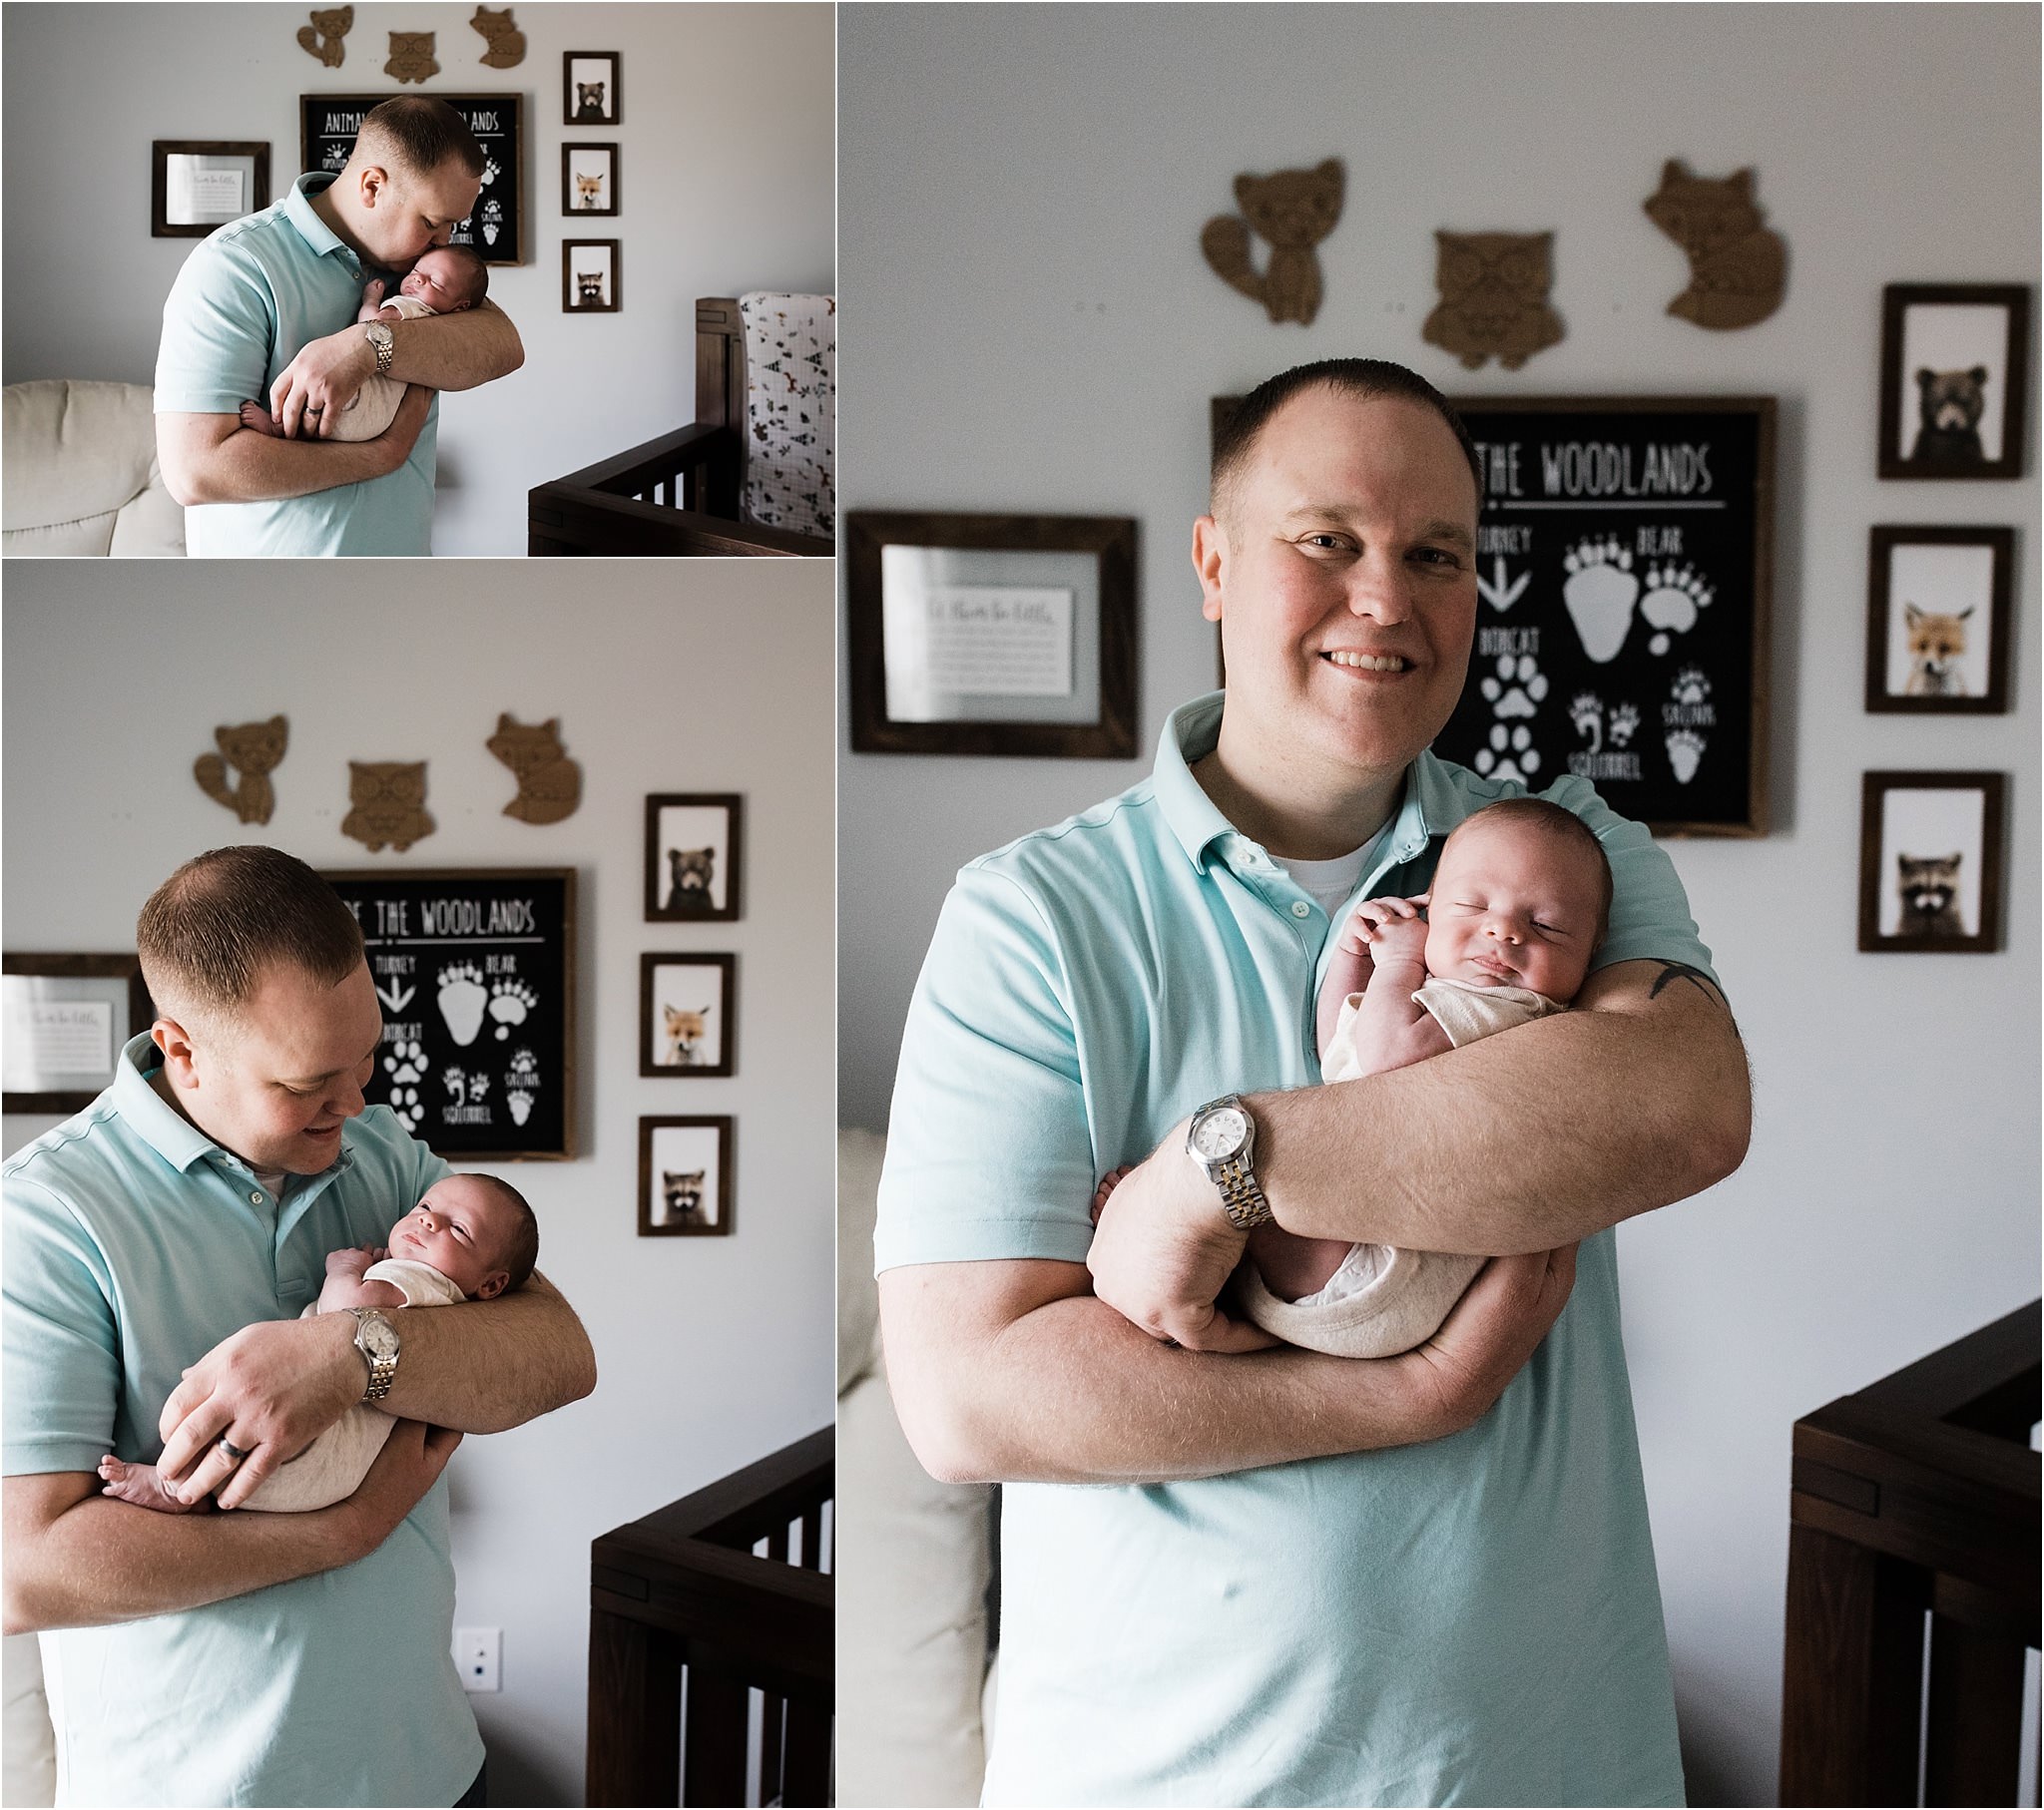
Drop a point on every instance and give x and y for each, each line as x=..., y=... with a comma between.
x=1300, y=909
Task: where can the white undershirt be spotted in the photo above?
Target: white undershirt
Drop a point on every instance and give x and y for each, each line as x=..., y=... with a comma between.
x=1332, y=882
x=273, y=1181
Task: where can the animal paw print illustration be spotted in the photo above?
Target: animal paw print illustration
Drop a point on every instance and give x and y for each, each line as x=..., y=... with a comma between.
x=478, y=1086
x=1675, y=593
x=1691, y=686
x=1517, y=688
x=1685, y=753
x=1586, y=711
x=522, y=1079
x=1600, y=591
x=1511, y=755
x=462, y=999
x=456, y=1085
x=405, y=1103
x=406, y=1063
x=1689, y=712
x=510, y=1001
x=1625, y=722
x=490, y=169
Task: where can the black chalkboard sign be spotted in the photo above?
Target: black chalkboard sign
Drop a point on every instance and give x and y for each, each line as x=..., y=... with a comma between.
x=327, y=124
x=1625, y=558
x=475, y=969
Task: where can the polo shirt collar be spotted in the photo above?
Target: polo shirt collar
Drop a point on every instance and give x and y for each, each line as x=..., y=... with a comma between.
x=170, y=1133
x=1433, y=805
x=298, y=208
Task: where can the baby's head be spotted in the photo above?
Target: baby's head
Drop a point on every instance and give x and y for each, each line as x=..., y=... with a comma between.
x=1521, y=898
x=447, y=279
x=475, y=1230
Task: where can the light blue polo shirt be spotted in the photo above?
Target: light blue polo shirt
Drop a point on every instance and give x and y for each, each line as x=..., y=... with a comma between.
x=134, y=1245
x=242, y=307
x=1474, y=1620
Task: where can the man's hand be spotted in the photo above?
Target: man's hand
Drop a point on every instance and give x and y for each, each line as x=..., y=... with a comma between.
x=1163, y=1249
x=272, y=1389
x=1490, y=1333
x=325, y=377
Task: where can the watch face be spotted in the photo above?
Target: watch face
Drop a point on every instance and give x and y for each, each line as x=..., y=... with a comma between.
x=1220, y=1133
x=378, y=1339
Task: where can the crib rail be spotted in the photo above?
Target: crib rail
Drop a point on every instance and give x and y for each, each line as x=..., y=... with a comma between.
x=723, y=1592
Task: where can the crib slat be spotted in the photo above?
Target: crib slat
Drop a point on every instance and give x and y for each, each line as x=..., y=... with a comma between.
x=714, y=1760
x=809, y=1757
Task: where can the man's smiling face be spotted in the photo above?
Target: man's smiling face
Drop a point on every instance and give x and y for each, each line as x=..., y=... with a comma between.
x=1341, y=569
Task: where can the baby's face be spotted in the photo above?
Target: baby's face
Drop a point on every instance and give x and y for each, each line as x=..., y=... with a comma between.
x=462, y=1227
x=444, y=283
x=1513, y=905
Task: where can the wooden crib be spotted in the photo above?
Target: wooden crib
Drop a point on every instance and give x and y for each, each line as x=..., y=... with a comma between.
x=727, y=1591
x=676, y=496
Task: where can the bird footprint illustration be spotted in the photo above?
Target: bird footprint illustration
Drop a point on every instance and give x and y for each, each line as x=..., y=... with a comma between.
x=510, y=1001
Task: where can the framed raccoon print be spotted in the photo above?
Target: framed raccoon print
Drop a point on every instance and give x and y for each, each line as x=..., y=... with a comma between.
x=591, y=273
x=684, y=1178
x=685, y=1025
x=1937, y=620
x=1954, y=376
x=1932, y=862
x=495, y=229
x=691, y=857
x=591, y=88
x=475, y=970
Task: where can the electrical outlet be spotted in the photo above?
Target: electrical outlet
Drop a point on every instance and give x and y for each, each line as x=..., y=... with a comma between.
x=477, y=1654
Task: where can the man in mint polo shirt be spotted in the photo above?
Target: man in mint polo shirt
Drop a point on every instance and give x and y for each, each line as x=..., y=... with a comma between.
x=265, y=311
x=159, y=1246
x=1297, y=1578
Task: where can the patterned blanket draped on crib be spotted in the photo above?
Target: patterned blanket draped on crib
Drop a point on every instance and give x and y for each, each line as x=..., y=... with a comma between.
x=791, y=411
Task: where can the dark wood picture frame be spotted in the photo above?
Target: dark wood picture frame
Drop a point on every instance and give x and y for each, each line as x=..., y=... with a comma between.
x=2013, y=375
x=1874, y=870
x=658, y=889
x=1998, y=623
x=614, y=91
x=569, y=305
x=727, y=1008
x=568, y=208
x=1110, y=539
x=160, y=152
x=725, y=1127
x=141, y=1015
x=497, y=118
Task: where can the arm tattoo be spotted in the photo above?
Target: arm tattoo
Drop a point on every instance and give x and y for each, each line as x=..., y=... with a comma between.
x=1682, y=971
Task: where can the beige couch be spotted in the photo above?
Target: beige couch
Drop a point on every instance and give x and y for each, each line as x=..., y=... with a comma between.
x=913, y=1561
x=81, y=474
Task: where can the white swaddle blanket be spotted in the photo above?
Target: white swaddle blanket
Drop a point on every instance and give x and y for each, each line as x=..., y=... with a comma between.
x=1384, y=1300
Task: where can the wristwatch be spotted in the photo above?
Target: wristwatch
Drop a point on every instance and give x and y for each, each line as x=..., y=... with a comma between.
x=1223, y=1141
x=387, y=347
x=377, y=1340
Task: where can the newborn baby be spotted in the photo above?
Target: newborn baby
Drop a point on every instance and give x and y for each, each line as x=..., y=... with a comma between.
x=472, y=1238
x=445, y=280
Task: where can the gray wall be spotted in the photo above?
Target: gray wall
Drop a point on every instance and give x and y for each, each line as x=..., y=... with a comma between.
x=1022, y=194
x=725, y=165
x=688, y=677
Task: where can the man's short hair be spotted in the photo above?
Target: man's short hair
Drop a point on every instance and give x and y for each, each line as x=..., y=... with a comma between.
x=419, y=134
x=522, y=1253
x=1565, y=827
x=1364, y=379
x=216, y=927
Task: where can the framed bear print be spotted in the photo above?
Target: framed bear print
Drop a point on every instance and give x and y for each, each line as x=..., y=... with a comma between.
x=691, y=857
x=1937, y=620
x=1932, y=862
x=1953, y=377
x=591, y=93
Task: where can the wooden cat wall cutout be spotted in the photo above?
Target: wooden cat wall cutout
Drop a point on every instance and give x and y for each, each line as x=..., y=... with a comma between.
x=549, y=783
x=506, y=41
x=1294, y=209
x=1493, y=298
x=322, y=38
x=411, y=56
x=252, y=749
x=389, y=805
x=1737, y=268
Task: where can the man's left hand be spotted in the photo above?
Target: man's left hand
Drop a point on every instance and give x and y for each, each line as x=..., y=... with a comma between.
x=1164, y=1249
x=320, y=382
x=270, y=1390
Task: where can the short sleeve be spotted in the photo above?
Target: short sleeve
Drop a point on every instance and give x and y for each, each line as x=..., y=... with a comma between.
x=989, y=1150
x=1650, y=917
x=61, y=1372
x=219, y=328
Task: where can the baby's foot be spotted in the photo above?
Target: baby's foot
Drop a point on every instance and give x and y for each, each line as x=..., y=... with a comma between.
x=254, y=415
x=140, y=1484
x=1107, y=1186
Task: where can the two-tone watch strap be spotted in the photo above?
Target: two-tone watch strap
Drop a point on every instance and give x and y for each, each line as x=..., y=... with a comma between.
x=1242, y=1194
x=383, y=1368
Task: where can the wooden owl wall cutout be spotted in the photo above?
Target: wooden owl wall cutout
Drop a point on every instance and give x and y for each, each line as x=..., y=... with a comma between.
x=1737, y=268
x=389, y=805
x=411, y=56
x=251, y=749
x=506, y=41
x=549, y=783
x=322, y=38
x=1293, y=210
x=1493, y=298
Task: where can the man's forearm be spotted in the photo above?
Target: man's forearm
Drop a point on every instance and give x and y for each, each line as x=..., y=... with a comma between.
x=249, y=466
x=1524, y=1141
x=483, y=1366
x=455, y=351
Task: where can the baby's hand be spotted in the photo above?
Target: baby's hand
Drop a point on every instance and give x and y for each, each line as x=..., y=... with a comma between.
x=1105, y=1187
x=352, y=1262
x=372, y=299
x=1387, y=929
